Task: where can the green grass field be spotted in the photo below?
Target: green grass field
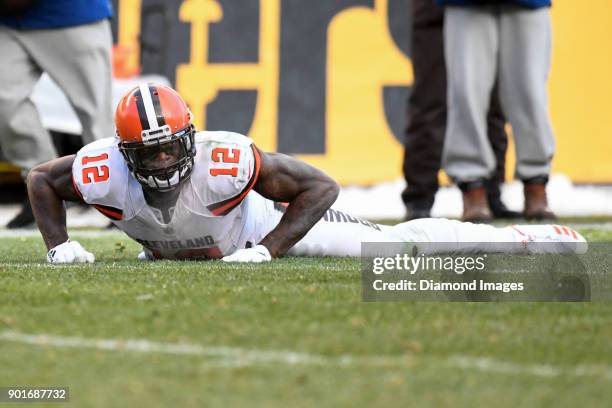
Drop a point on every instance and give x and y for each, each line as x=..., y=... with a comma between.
x=290, y=333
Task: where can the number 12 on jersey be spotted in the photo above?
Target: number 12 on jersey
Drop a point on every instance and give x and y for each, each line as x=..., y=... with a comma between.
x=224, y=155
x=96, y=173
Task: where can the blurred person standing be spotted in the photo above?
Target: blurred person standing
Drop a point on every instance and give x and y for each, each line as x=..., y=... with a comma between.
x=71, y=41
x=427, y=123
x=508, y=41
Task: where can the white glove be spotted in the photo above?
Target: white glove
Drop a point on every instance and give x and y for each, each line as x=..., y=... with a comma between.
x=145, y=256
x=257, y=254
x=69, y=252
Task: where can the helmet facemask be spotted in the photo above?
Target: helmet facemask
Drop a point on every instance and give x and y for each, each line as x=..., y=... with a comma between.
x=143, y=158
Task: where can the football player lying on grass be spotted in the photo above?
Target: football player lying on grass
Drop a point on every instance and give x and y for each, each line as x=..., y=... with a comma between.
x=184, y=194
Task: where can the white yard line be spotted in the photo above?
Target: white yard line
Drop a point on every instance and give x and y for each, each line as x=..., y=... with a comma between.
x=536, y=370
x=146, y=346
x=239, y=357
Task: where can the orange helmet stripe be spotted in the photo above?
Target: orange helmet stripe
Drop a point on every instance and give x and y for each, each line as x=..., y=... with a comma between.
x=149, y=107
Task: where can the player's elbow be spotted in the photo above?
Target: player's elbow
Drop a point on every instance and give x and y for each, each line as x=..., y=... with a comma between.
x=37, y=177
x=331, y=190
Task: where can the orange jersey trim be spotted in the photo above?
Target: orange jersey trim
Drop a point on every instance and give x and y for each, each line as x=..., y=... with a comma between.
x=110, y=212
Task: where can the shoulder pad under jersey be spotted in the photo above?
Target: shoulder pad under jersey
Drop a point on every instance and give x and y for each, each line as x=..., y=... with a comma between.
x=101, y=177
x=226, y=169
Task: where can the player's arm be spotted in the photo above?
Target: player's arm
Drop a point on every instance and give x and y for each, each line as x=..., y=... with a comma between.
x=49, y=185
x=309, y=192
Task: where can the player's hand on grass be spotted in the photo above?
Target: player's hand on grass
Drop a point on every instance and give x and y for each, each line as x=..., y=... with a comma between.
x=69, y=252
x=145, y=256
x=257, y=254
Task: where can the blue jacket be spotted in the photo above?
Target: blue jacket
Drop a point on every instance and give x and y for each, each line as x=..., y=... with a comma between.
x=59, y=13
x=523, y=3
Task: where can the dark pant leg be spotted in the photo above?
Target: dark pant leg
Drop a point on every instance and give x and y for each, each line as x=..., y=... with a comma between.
x=426, y=107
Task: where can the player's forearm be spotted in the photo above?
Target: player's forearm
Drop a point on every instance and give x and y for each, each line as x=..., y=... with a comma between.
x=303, y=212
x=48, y=209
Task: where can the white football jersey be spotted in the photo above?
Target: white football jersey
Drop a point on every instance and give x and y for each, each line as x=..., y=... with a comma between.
x=216, y=212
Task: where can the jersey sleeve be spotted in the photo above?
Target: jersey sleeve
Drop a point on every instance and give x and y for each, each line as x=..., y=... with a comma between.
x=98, y=176
x=232, y=163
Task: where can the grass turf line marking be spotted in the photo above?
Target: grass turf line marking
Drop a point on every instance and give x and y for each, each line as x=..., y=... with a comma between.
x=238, y=357
x=536, y=370
x=241, y=356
